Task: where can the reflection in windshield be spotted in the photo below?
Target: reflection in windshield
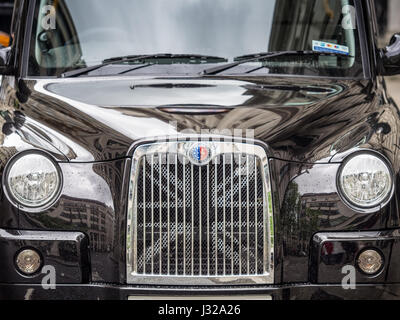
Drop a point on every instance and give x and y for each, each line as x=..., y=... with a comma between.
x=85, y=33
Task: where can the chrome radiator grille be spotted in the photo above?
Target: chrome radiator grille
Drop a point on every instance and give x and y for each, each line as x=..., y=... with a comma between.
x=200, y=224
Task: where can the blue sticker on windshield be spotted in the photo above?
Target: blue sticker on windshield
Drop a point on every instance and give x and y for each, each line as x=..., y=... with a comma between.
x=321, y=46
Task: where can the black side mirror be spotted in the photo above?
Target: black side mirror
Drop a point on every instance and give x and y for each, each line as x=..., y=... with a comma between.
x=391, y=57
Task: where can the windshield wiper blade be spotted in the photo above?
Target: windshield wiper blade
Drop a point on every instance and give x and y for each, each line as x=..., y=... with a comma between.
x=267, y=55
x=133, y=58
x=80, y=71
x=188, y=56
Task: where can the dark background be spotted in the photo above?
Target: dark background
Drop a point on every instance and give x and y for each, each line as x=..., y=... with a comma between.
x=382, y=15
x=6, y=7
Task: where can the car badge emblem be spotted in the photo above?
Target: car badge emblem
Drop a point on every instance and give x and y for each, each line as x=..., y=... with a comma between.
x=200, y=154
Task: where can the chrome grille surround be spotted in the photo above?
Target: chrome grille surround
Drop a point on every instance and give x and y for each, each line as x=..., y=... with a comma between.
x=144, y=163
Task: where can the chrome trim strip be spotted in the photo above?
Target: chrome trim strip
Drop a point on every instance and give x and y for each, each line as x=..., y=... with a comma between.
x=160, y=209
x=176, y=216
x=179, y=148
x=232, y=226
x=248, y=214
x=184, y=218
x=224, y=212
x=255, y=212
x=168, y=218
x=265, y=217
x=216, y=217
x=144, y=213
x=191, y=222
x=240, y=215
x=152, y=214
x=200, y=227
x=208, y=220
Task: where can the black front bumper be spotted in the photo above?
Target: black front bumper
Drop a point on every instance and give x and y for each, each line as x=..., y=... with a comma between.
x=68, y=253
x=113, y=292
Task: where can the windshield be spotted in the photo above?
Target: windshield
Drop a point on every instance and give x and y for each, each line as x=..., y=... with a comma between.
x=189, y=36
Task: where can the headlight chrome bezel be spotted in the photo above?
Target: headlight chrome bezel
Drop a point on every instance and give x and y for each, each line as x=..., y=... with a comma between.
x=358, y=207
x=17, y=203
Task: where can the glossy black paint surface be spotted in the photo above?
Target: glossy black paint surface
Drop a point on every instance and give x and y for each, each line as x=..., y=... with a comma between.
x=90, y=125
x=6, y=9
x=333, y=250
x=309, y=203
x=305, y=120
x=66, y=251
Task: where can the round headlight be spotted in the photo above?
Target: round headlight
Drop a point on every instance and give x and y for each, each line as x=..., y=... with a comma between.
x=365, y=180
x=33, y=180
